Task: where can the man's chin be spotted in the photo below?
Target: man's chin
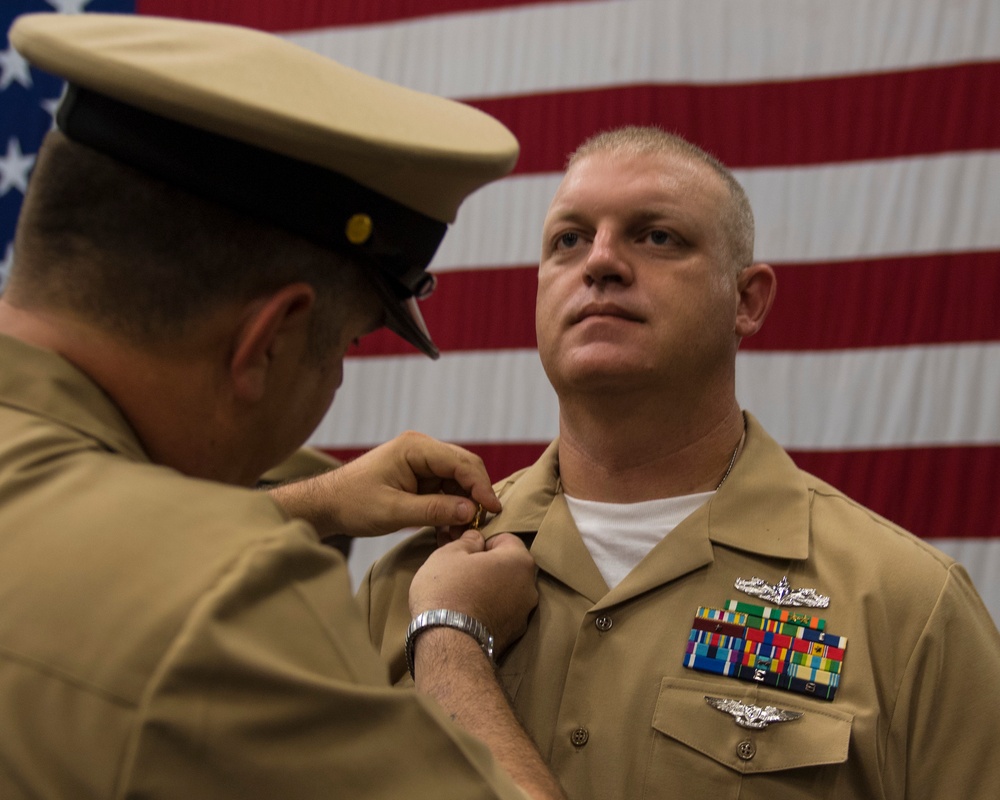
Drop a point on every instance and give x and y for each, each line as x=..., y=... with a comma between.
x=608, y=374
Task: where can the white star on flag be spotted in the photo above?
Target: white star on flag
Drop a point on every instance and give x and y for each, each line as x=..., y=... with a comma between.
x=14, y=168
x=6, y=264
x=13, y=67
x=69, y=6
x=51, y=105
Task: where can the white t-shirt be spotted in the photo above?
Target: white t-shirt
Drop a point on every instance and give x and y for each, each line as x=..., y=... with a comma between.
x=619, y=535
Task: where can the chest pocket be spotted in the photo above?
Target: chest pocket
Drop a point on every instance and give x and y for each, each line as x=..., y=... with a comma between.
x=818, y=738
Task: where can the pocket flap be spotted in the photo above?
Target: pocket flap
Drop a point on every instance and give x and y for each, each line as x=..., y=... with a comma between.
x=820, y=736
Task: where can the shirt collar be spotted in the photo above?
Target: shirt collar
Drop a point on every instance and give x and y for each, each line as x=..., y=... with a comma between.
x=762, y=508
x=526, y=495
x=43, y=383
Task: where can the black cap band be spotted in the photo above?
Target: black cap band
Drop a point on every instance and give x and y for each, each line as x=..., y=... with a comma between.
x=308, y=200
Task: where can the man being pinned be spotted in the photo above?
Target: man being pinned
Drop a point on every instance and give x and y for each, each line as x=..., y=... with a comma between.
x=661, y=494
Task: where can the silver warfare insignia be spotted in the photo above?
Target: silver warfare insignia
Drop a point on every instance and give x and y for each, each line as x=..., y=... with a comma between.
x=749, y=716
x=781, y=593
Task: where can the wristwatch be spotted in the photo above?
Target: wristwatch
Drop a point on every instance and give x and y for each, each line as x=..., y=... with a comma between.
x=445, y=618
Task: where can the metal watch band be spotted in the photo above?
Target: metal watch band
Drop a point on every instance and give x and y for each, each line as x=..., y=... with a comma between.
x=444, y=618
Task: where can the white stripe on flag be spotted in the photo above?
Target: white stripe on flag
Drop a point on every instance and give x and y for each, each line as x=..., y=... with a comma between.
x=491, y=396
x=856, y=399
x=503, y=52
x=870, y=209
x=875, y=398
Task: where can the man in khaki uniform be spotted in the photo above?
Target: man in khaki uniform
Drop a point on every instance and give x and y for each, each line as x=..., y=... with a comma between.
x=859, y=663
x=219, y=215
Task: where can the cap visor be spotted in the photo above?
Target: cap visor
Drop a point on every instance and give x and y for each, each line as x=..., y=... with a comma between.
x=403, y=317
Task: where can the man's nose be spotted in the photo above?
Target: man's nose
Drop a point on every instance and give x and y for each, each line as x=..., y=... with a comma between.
x=607, y=260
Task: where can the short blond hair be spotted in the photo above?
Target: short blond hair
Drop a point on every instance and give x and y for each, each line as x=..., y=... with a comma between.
x=737, y=216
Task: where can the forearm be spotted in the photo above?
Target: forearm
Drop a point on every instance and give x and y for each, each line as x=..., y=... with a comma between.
x=310, y=501
x=451, y=668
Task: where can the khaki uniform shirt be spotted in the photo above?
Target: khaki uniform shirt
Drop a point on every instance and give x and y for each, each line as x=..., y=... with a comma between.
x=167, y=637
x=598, y=677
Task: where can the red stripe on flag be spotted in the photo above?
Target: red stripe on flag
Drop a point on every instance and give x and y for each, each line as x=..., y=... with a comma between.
x=935, y=299
x=484, y=309
x=889, y=302
x=847, y=118
x=280, y=15
x=893, y=483
x=934, y=492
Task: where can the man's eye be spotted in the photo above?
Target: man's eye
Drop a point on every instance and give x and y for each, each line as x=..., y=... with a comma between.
x=568, y=240
x=659, y=237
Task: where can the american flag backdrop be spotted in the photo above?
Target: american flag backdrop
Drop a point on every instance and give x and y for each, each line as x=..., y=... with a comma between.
x=866, y=133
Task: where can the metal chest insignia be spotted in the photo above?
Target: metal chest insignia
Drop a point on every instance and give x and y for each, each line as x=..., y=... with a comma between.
x=750, y=716
x=781, y=593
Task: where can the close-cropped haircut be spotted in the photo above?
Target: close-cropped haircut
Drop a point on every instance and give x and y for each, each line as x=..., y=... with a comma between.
x=141, y=258
x=737, y=216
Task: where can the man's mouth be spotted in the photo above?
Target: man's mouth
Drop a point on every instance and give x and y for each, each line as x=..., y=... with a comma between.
x=592, y=310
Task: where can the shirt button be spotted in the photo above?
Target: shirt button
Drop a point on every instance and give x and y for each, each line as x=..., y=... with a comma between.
x=579, y=737
x=603, y=623
x=746, y=750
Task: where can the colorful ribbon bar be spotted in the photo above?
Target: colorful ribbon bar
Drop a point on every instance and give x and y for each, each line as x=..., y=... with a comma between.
x=768, y=638
x=748, y=646
x=717, y=626
x=829, y=664
x=821, y=637
x=794, y=683
x=717, y=639
x=720, y=653
x=773, y=646
x=817, y=649
x=718, y=619
x=780, y=614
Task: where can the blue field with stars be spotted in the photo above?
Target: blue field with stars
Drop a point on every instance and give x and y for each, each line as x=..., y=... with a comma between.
x=28, y=99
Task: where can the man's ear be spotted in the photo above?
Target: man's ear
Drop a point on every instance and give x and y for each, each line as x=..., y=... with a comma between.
x=274, y=326
x=757, y=285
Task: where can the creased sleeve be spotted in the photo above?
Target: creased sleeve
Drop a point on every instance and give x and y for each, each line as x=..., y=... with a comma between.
x=273, y=690
x=945, y=726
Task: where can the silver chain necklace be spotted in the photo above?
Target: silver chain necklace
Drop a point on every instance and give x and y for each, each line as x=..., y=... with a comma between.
x=732, y=460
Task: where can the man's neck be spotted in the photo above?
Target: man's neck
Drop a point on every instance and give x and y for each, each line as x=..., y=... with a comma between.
x=167, y=396
x=622, y=456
